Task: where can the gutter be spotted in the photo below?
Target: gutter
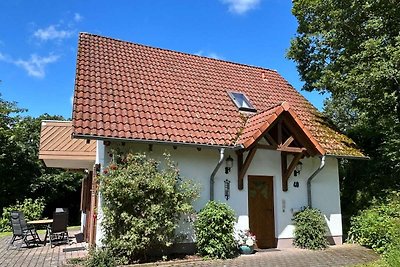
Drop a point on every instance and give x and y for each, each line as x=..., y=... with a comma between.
x=321, y=166
x=221, y=158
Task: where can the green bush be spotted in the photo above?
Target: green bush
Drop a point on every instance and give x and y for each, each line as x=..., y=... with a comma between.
x=100, y=258
x=310, y=229
x=377, y=227
x=143, y=204
x=32, y=210
x=214, y=228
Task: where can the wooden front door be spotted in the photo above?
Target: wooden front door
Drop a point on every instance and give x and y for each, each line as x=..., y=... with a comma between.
x=261, y=210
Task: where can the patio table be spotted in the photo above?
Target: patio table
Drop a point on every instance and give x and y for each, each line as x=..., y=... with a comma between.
x=45, y=222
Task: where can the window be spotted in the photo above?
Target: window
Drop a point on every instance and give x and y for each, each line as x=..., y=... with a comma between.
x=241, y=102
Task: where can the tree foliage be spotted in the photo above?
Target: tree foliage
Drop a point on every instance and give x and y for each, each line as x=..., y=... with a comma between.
x=351, y=49
x=378, y=227
x=143, y=203
x=22, y=174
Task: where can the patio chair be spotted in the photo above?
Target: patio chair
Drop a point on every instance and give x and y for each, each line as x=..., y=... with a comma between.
x=62, y=210
x=22, y=231
x=58, y=232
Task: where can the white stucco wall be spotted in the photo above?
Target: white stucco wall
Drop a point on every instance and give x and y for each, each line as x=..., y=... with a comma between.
x=198, y=166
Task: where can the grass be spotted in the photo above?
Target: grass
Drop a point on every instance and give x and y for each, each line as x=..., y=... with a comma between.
x=378, y=263
x=3, y=234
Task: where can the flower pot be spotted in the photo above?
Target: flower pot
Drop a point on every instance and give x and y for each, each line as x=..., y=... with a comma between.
x=244, y=249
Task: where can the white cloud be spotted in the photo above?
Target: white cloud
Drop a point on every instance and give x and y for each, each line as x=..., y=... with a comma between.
x=52, y=33
x=77, y=17
x=3, y=57
x=211, y=54
x=241, y=6
x=214, y=55
x=35, y=66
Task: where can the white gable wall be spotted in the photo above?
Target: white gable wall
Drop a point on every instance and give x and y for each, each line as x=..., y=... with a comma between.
x=198, y=166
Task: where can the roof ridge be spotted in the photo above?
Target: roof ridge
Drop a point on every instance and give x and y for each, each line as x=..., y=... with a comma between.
x=178, y=52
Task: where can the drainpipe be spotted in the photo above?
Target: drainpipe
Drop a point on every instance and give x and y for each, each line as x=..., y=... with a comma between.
x=221, y=158
x=321, y=166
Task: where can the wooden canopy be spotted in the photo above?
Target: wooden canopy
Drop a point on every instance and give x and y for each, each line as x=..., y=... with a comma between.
x=59, y=150
x=280, y=129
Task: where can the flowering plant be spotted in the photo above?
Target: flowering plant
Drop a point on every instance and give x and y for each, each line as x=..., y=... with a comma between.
x=246, y=238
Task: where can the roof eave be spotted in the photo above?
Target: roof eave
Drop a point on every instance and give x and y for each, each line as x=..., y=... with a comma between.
x=147, y=141
x=348, y=157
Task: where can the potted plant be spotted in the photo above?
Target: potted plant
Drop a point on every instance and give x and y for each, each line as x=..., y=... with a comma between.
x=246, y=241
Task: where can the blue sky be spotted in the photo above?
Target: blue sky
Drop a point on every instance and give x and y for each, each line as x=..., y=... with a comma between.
x=38, y=40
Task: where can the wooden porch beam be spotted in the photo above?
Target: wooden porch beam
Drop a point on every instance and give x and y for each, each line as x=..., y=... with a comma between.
x=288, y=141
x=245, y=167
x=287, y=172
x=270, y=139
x=282, y=149
x=292, y=149
x=280, y=132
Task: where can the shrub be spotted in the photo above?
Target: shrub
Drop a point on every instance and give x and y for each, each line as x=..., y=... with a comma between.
x=100, y=258
x=377, y=227
x=142, y=206
x=214, y=228
x=310, y=231
x=32, y=210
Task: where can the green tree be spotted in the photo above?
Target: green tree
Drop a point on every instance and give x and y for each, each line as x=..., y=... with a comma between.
x=351, y=49
x=22, y=174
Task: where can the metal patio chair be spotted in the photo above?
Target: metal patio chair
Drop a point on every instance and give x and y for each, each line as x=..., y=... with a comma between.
x=58, y=232
x=22, y=231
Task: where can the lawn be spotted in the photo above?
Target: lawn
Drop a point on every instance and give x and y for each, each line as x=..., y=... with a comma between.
x=3, y=234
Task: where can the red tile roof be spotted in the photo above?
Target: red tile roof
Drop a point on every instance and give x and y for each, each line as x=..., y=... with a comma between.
x=125, y=90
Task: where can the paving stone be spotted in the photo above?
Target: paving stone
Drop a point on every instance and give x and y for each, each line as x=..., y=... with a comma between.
x=343, y=255
x=40, y=256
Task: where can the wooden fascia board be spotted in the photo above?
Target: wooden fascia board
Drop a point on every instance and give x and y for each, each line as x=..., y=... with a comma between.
x=254, y=143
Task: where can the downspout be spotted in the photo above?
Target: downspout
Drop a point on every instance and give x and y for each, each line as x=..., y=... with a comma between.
x=221, y=158
x=321, y=166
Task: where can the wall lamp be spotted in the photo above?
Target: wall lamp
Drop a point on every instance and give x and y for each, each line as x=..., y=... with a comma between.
x=298, y=168
x=228, y=164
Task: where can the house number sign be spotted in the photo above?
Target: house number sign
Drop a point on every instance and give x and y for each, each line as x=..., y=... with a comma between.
x=227, y=187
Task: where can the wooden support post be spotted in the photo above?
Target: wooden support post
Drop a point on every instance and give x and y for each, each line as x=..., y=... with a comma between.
x=284, y=167
x=245, y=167
x=240, y=167
x=287, y=171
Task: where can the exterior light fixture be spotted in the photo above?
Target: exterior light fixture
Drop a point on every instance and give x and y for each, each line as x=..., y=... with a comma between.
x=298, y=168
x=296, y=184
x=229, y=164
x=227, y=187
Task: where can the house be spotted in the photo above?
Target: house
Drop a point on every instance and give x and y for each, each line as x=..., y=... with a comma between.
x=242, y=132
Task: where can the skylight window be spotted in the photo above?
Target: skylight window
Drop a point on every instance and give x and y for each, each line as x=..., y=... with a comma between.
x=241, y=101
